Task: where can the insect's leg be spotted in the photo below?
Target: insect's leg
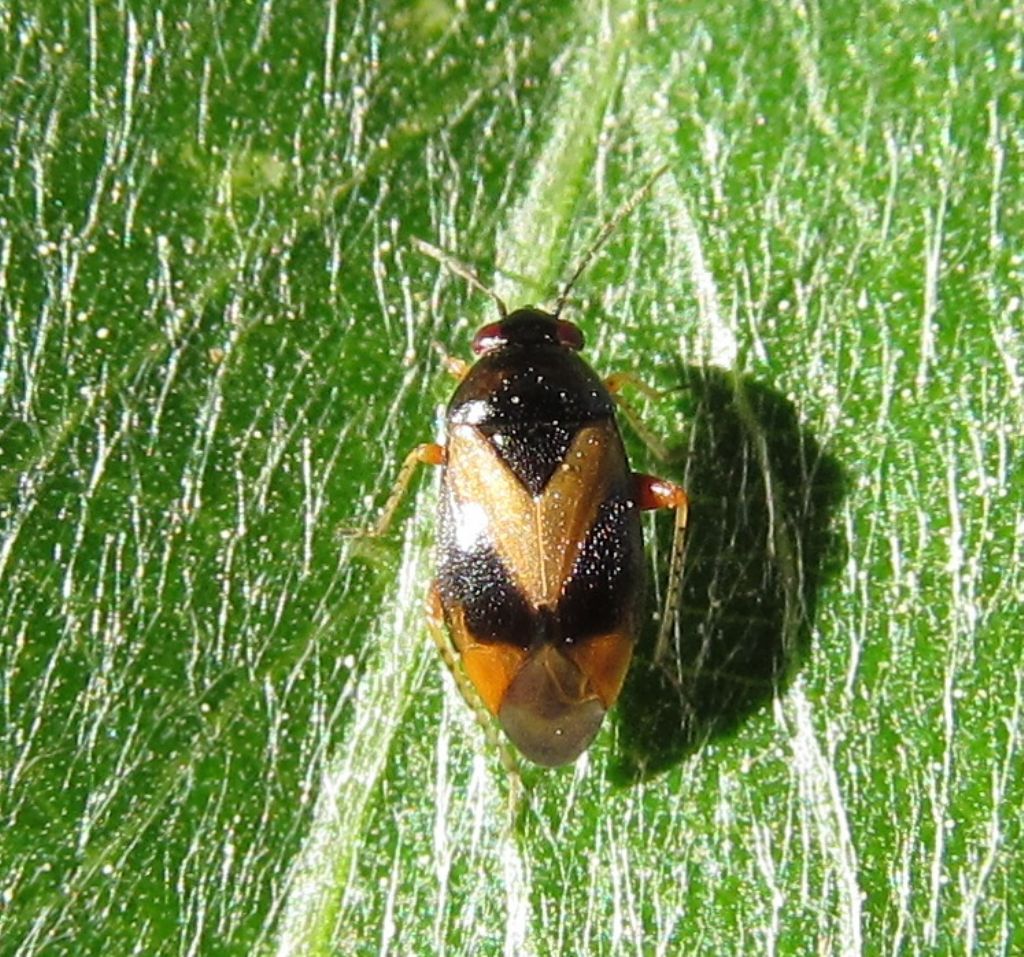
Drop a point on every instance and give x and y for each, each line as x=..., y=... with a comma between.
x=617, y=380
x=614, y=384
x=438, y=631
x=453, y=364
x=427, y=454
x=652, y=493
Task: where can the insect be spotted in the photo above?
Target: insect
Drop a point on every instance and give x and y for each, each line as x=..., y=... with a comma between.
x=540, y=562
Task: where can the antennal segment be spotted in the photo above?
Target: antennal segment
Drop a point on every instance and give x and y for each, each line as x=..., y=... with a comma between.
x=609, y=227
x=460, y=269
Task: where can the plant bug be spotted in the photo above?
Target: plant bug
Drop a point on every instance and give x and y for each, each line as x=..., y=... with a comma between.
x=540, y=562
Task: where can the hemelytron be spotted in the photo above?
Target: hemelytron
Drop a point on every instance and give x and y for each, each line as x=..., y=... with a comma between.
x=540, y=572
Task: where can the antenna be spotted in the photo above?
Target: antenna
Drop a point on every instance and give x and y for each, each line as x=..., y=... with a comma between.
x=606, y=230
x=460, y=269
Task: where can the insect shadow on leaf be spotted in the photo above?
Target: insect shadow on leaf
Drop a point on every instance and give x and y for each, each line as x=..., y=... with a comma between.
x=760, y=545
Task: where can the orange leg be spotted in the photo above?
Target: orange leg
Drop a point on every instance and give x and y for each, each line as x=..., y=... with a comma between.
x=427, y=454
x=614, y=384
x=617, y=380
x=456, y=367
x=654, y=493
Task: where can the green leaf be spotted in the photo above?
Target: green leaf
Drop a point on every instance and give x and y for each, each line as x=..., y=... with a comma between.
x=223, y=727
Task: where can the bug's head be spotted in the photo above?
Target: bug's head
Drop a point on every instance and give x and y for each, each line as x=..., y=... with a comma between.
x=527, y=327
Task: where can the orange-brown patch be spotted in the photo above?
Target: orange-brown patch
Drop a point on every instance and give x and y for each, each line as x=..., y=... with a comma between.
x=491, y=668
x=605, y=661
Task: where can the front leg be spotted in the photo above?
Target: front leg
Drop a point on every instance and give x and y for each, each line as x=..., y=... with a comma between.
x=427, y=454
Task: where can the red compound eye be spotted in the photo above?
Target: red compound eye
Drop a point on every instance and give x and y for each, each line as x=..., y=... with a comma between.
x=489, y=337
x=569, y=335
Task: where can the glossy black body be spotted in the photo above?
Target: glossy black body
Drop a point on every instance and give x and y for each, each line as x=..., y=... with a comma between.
x=529, y=397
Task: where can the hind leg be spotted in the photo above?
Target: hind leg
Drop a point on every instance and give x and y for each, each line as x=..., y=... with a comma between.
x=653, y=493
